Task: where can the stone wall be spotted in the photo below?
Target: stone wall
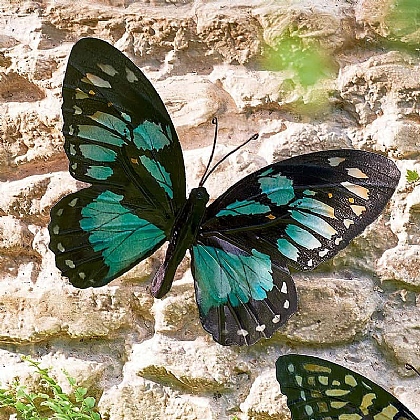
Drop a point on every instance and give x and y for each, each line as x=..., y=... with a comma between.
x=306, y=75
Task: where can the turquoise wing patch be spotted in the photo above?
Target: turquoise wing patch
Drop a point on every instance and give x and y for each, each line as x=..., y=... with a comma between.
x=242, y=296
x=216, y=273
x=96, y=237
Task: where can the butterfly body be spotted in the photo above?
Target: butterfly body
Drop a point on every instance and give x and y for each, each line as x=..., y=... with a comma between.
x=120, y=139
x=317, y=389
x=182, y=237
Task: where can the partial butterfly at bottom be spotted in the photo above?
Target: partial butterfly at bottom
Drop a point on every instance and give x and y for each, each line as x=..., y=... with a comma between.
x=120, y=139
x=320, y=390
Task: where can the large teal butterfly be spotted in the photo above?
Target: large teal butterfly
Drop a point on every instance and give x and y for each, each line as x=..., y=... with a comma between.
x=320, y=390
x=120, y=139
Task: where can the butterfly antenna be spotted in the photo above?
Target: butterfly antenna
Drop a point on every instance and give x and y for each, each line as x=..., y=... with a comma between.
x=411, y=367
x=203, y=178
x=208, y=172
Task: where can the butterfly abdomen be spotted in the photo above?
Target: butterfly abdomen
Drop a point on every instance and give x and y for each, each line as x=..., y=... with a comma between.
x=182, y=237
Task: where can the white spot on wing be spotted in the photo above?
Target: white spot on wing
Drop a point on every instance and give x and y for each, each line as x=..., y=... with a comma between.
x=108, y=69
x=131, y=77
x=348, y=223
x=80, y=94
x=356, y=173
x=358, y=190
x=357, y=210
x=56, y=230
x=82, y=275
x=60, y=212
x=60, y=247
x=260, y=328
x=242, y=332
x=69, y=263
x=96, y=81
x=77, y=110
x=335, y=161
x=284, y=288
x=276, y=319
x=323, y=253
x=286, y=304
x=73, y=202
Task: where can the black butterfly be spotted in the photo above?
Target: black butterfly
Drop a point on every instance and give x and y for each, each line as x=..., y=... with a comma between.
x=120, y=138
x=320, y=390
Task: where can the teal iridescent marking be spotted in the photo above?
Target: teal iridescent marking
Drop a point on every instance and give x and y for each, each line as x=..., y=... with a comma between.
x=302, y=237
x=120, y=236
x=126, y=116
x=314, y=206
x=98, y=153
x=287, y=249
x=99, y=172
x=309, y=192
x=278, y=188
x=244, y=207
x=101, y=135
x=267, y=172
x=150, y=136
x=222, y=276
x=110, y=121
x=159, y=173
x=315, y=223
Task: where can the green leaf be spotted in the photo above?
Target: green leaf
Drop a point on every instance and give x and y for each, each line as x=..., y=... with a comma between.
x=89, y=402
x=412, y=176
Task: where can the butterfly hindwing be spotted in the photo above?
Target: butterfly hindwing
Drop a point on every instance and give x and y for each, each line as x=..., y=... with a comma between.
x=242, y=296
x=118, y=137
x=96, y=236
x=320, y=390
x=303, y=210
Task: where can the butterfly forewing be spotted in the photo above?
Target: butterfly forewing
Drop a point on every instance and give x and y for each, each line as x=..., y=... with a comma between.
x=117, y=130
x=303, y=210
x=320, y=390
x=242, y=296
x=118, y=137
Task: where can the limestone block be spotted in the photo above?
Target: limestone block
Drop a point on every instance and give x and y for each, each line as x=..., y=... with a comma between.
x=399, y=334
x=384, y=84
x=176, y=315
x=264, y=400
x=327, y=22
x=33, y=314
x=148, y=400
x=299, y=138
x=251, y=90
x=194, y=365
x=190, y=100
x=331, y=310
x=401, y=264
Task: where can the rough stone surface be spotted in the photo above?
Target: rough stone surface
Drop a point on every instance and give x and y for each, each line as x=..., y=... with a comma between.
x=306, y=75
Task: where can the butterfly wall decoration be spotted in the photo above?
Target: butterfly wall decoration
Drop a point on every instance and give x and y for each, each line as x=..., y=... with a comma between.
x=120, y=139
x=317, y=389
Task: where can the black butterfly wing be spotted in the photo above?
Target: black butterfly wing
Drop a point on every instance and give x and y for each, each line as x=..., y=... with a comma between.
x=320, y=390
x=298, y=212
x=242, y=295
x=303, y=210
x=118, y=137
